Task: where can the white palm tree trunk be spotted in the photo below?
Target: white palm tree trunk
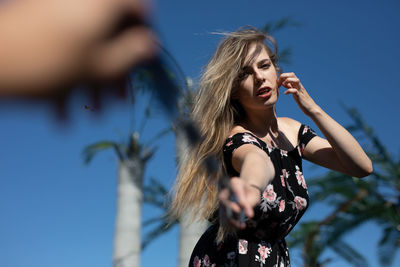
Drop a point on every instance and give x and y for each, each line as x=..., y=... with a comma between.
x=190, y=231
x=127, y=239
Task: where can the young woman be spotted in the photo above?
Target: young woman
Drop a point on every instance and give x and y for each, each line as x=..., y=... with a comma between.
x=261, y=152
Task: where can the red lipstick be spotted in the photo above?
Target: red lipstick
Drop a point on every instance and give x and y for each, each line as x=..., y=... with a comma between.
x=264, y=92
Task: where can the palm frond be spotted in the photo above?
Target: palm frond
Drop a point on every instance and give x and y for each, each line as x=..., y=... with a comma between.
x=154, y=201
x=368, y=131
x=157, y=187
x=148, y=154
x=146, y=114
x=388, y=246
x=333, y=185
x=177, y=66
x=296, y=237
x=90, y=151
x=285, y=55
x=159, y=135
x=274, y=26
x=348, y=253
x=342, y=225
x=153, y=220
x=162, y=228
x=186, y=101
x=155, y=194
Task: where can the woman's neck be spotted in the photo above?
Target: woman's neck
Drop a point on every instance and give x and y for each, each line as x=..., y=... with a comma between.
x=262, y=123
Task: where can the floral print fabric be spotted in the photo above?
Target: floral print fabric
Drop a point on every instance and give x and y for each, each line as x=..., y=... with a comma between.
x=282, y=204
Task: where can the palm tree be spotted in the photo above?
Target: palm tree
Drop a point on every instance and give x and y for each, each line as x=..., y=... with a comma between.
x=132, y=160
x=316, y=237
x=382, y=205
x=133, y=157
x=355, y=202
x=190, y=227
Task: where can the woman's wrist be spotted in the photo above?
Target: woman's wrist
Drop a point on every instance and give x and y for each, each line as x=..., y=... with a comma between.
x=315, y=112
x=261, y=191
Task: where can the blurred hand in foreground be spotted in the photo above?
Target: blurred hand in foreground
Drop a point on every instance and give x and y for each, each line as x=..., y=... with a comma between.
x=50, y=46
x=239, y=201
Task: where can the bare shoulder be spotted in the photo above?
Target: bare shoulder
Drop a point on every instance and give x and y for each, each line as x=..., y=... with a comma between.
x=290, y=127
x=289, y=123
x=237, y=129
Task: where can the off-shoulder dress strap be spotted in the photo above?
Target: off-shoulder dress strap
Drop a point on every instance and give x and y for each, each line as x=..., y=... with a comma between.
x=304, y=136
x=234, y=142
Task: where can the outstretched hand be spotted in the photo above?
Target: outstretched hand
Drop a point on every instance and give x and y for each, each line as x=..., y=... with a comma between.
x=295, y=88
x=241, y=198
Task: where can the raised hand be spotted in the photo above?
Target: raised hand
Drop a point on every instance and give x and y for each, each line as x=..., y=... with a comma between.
x=294, y=87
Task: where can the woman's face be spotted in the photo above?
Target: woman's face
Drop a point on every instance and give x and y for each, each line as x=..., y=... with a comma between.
x=257, y=86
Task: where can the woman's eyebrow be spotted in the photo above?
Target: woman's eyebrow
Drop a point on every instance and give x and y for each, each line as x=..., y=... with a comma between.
x=264, y=60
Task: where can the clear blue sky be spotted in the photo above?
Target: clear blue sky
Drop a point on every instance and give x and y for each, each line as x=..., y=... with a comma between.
x=54, y=211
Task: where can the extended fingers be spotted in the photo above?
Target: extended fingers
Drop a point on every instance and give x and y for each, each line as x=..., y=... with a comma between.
x=285, y=76
x=116, y=57
x=238, y=201
x=225, y=198
x=291, y=82
x=288, y=79
x=230, y=209
x=291, y=91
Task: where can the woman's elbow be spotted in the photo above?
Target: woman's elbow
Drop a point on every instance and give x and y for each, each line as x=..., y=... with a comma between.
x=365, y=170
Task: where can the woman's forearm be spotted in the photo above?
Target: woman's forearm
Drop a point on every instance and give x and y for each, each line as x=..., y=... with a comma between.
x=349, y=152
x=257, y=170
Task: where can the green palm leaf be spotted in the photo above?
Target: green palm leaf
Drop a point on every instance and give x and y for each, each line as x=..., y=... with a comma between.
x=274, y=26
x=90, y=151
x=380, y=203
x=388, y=245
x=155, y=194
x=348, y=253
x=163, y=227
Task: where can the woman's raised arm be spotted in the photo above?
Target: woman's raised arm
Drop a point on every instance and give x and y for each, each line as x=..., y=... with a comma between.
x=340, y=151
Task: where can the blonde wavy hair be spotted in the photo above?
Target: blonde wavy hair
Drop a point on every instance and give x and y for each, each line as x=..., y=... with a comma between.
x=215, y=113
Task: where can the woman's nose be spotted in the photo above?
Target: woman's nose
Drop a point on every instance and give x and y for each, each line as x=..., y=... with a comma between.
x=258, y=78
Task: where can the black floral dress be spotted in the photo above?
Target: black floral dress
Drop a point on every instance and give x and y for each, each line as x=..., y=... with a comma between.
x=284, y=201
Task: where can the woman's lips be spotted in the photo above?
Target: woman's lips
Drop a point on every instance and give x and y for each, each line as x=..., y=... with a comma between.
x=264, y=92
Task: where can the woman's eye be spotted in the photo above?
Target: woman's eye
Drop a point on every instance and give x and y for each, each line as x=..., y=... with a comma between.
x=244, y=75
x=265, y=66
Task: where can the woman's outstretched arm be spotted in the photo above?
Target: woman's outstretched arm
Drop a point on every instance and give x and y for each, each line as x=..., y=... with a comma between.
x=256, y=171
